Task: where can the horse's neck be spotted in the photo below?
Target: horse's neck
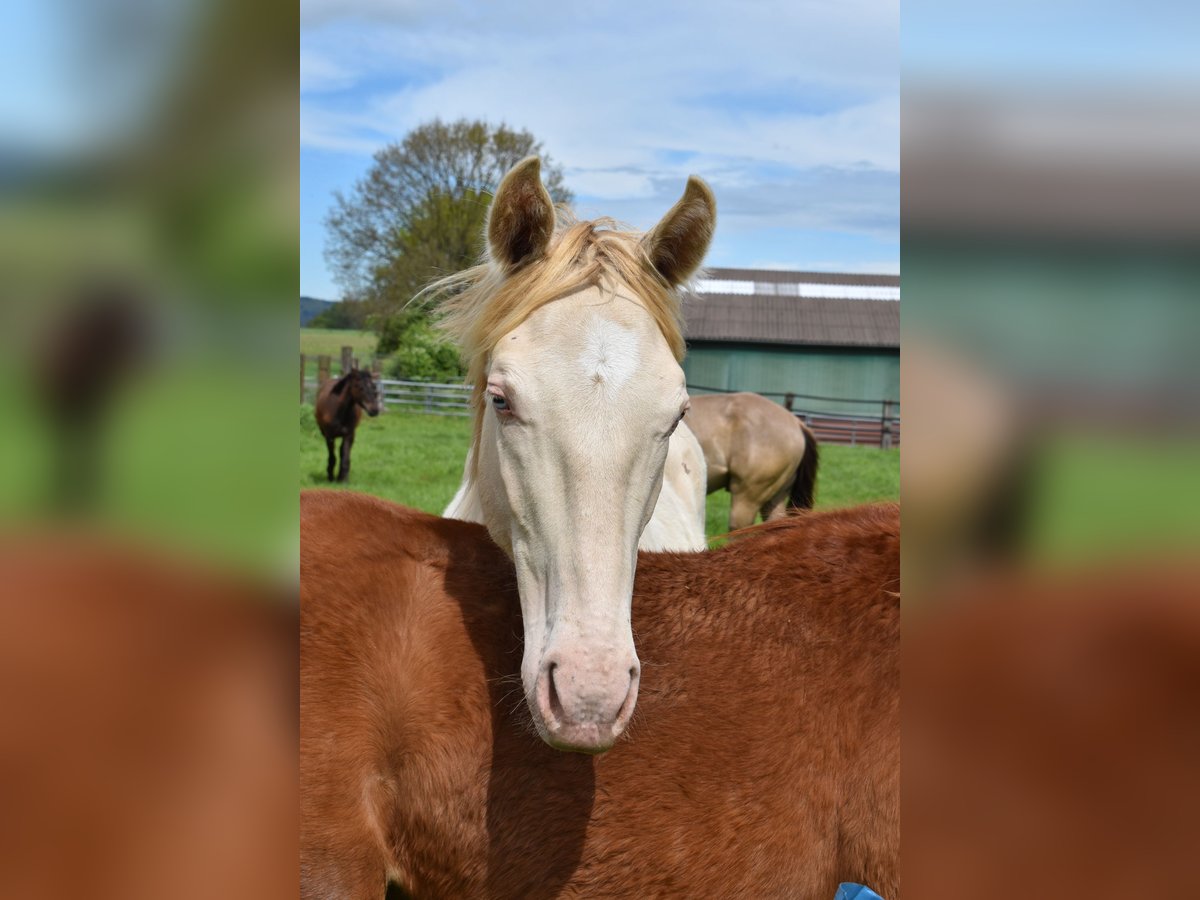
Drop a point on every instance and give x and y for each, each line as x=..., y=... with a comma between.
x=678, y=520
x=345, y=405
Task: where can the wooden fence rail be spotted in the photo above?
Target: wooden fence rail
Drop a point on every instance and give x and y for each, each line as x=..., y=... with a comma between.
x=429, y=397
x=854, y=431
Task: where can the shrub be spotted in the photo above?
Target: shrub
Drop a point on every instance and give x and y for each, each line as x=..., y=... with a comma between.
x=419, y=351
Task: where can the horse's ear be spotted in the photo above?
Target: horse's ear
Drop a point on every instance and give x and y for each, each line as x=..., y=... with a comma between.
x=521, y=219
x=676, y=245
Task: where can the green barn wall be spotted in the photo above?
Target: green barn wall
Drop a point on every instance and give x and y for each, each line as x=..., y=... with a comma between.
x=858, y=374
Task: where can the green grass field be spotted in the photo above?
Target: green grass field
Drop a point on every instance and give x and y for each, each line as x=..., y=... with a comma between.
x=418, y=459
x=187, y=462
x=316, y=342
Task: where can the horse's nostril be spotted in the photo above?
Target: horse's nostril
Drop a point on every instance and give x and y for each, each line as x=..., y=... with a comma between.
x=627, y=704
x=556, y=708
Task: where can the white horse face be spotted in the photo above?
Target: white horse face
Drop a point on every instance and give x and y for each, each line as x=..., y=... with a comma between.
x=583, y=398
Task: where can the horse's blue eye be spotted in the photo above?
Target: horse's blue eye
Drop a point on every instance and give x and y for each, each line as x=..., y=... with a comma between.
x=499, y=402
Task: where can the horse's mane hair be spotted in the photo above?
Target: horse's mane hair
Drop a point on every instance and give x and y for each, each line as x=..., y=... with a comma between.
x=344, y=379
x=340, y=384
x=482, y=304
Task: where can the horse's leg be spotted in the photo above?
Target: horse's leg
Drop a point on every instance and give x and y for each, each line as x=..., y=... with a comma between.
x=776, y=507
x=780, y=493
x=742, y=510
x=332, y=458
x=344, y=462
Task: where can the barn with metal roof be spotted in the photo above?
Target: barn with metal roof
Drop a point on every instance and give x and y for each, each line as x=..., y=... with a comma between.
x=830, y=340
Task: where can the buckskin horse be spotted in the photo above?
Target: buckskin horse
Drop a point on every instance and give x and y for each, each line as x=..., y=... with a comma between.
x=762, y=454
x=339, y=409
x=572, y=337
x=763, y=760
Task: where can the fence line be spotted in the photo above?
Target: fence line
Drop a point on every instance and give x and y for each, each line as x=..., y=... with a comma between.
x=793, y=394
x=417, y=396
x=853, y=431
x=838, y=428
x=881, y=430
x=430, y=397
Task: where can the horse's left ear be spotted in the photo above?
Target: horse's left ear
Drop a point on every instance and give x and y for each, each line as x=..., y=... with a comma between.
x=676, y=246
x=521, y=219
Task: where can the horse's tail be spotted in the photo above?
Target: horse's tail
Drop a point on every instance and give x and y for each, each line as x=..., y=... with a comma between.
x=804, y=486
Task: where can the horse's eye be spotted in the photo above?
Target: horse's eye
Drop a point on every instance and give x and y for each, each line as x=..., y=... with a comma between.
x=499, y=403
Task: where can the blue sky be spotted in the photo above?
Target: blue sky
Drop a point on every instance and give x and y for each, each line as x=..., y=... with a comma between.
x=789, y=109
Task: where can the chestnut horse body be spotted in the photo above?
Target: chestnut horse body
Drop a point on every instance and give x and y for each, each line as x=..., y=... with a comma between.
x=757, y=450
x=763, y=760
x=149, y=738
x=338, y=410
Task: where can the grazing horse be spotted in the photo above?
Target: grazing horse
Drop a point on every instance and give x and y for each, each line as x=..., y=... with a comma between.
x=571, y=332
x=757, y=450
x=339, y=409
x=764, y=759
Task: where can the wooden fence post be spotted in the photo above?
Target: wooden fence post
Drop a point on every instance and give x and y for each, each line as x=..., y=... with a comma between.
x=347, y=358
x=323, y=364
x=302, y=363
x=377, y=374
x=885, y=426
x=788, y=400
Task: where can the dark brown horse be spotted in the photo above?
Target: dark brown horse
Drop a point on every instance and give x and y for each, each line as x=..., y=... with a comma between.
x=339, y=409
x=757, y=450
x=95, y=347
x=762, y=760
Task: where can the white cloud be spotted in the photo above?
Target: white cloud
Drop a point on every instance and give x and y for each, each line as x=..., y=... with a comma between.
x=607, y=91
x=605, y=184
x=347, y=133
x=321, y=12
x=790, y=109
x=318, y=73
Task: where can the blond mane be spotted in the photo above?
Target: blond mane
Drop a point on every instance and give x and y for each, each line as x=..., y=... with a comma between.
x=482, y=304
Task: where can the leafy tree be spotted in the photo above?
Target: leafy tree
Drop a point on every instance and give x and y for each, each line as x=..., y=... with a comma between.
x=419, y=211
x=443, y=235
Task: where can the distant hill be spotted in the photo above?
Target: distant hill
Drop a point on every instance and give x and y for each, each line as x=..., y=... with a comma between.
x=310, y=306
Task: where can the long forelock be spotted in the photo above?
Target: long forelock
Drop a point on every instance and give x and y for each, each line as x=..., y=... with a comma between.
x=482, y=304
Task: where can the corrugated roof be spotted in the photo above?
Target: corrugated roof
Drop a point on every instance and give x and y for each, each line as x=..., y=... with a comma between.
x=778, y=319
